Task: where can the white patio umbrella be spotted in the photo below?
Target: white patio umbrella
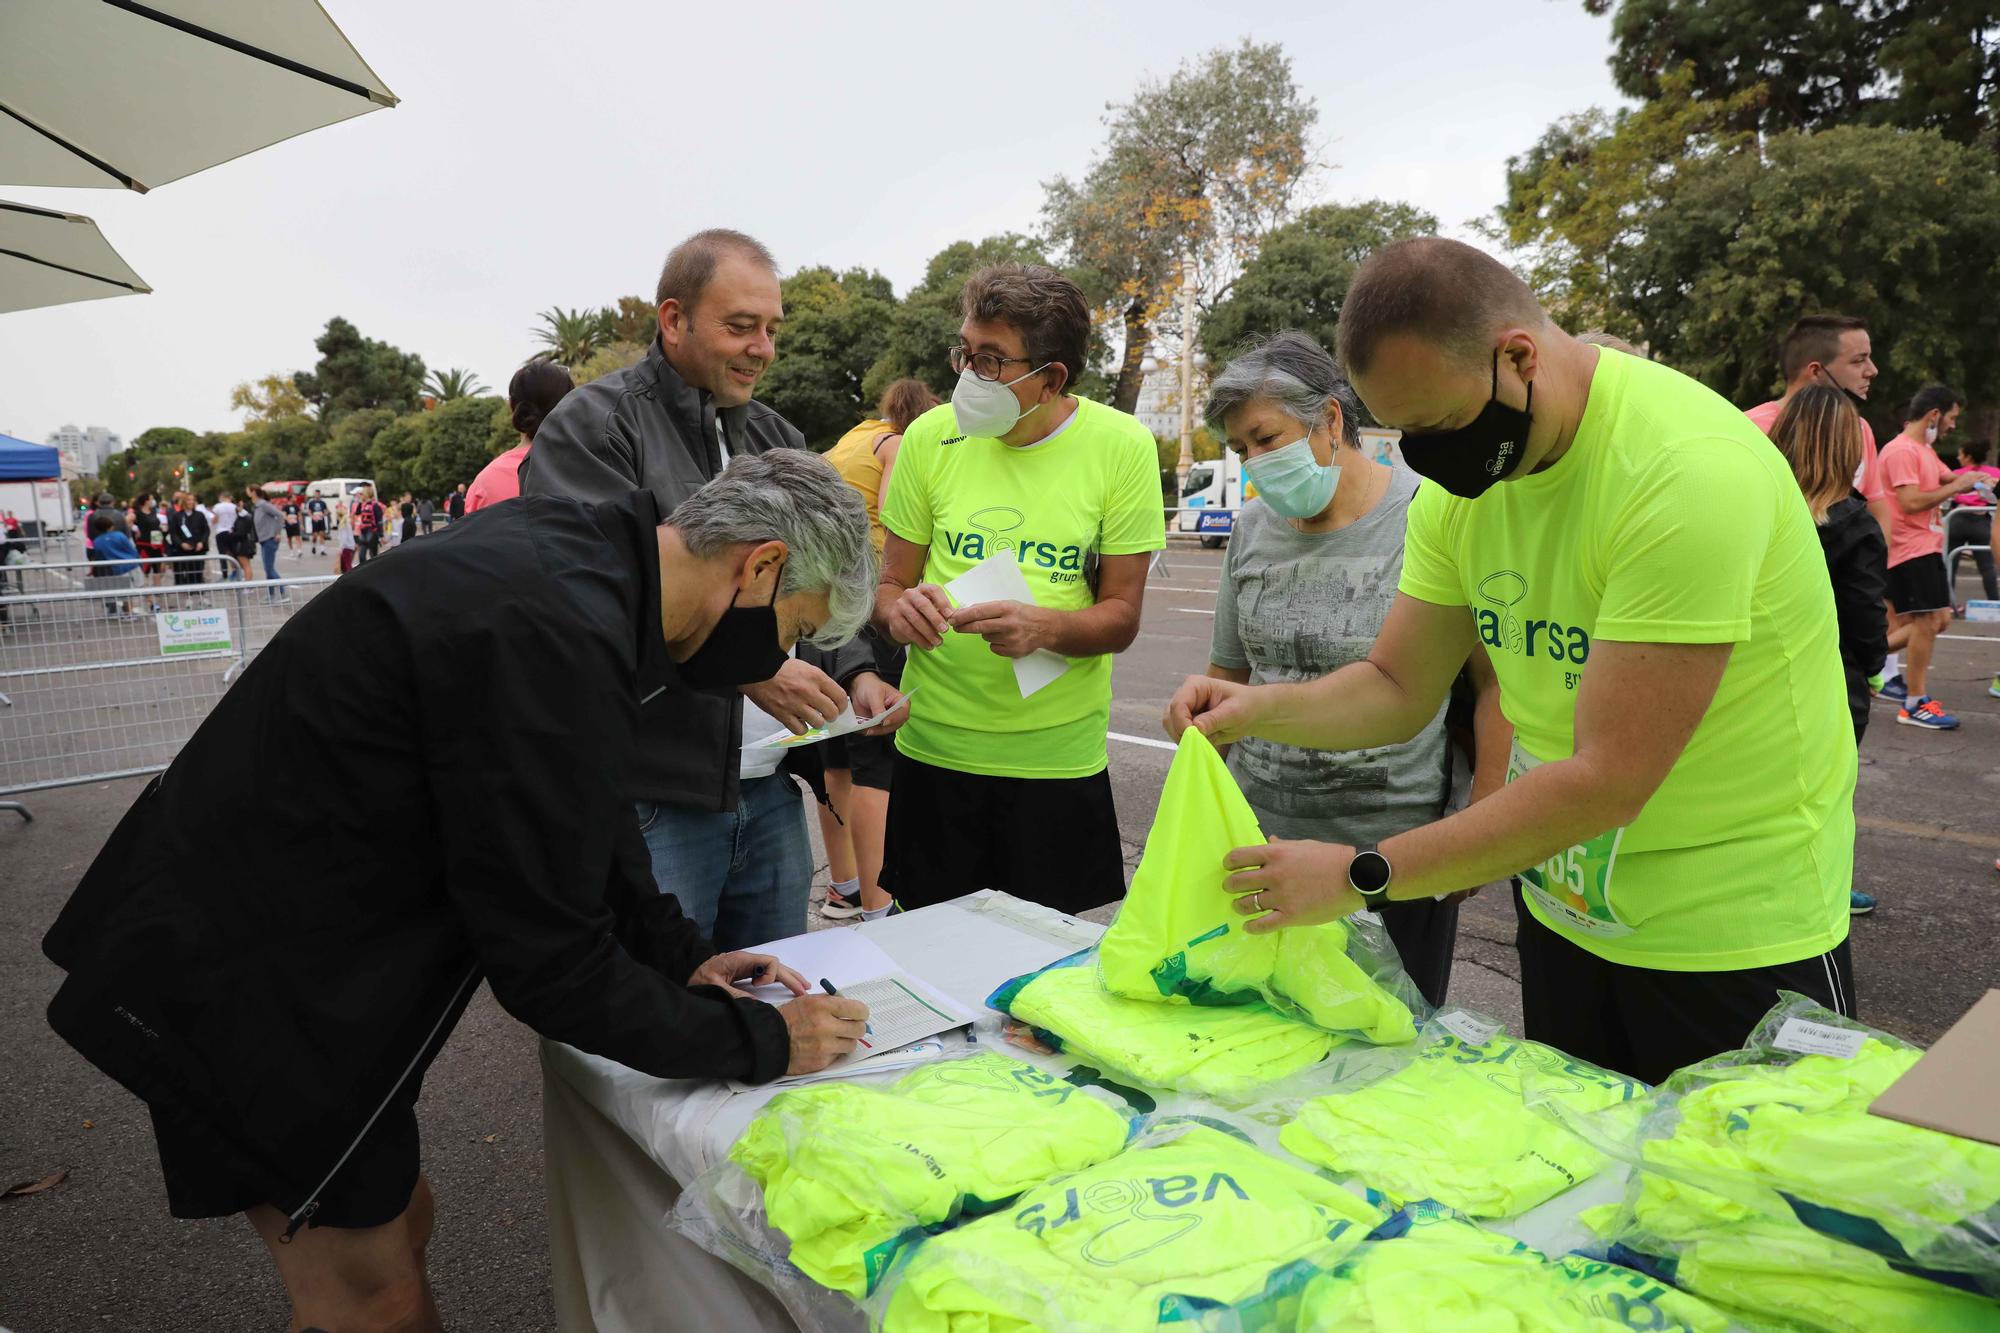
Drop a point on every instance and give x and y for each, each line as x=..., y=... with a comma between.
x=51, y=258
x=115, y=93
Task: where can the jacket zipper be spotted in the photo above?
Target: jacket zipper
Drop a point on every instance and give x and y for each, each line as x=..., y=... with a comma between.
x=304, y=1212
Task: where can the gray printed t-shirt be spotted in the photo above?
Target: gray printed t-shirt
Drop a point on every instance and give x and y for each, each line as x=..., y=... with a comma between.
x=1294, y=606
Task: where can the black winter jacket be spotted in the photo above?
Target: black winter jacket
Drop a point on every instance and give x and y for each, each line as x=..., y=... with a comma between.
x=474, y=704
x=1857, y=560
x=646, y=426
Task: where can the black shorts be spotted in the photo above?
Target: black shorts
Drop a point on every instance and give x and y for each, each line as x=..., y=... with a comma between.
x=869, y=760
x=1919, y=584
x=291, y=529
x=208, y=1176
x=319, y=525
x=1050, y=840
x=1645, y=1022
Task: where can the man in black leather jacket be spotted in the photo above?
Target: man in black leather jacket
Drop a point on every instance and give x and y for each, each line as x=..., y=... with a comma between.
x=733, y=847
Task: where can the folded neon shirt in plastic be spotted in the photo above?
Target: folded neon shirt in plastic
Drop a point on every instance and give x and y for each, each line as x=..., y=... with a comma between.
x=1789, y=1136
x=1448, y=1122
x=1773, y=1272
x=1447, y=1273
x=1178, y=935
x=1220, y=1052
x=1188, y=1221
x=848, y=1171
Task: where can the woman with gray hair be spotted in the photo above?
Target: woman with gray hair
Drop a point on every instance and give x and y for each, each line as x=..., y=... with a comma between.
x=1312, y=568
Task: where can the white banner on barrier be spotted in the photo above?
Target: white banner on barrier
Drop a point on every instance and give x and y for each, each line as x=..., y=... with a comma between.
x=192, y=632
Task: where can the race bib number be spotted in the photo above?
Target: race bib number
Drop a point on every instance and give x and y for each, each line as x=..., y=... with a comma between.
x=1574, y=885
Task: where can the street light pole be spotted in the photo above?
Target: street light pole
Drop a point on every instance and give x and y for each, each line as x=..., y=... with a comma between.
x=1186, y=463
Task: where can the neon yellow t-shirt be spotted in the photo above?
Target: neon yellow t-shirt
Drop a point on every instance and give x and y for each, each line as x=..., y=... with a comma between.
x=1093, y=487
x=1671, y=519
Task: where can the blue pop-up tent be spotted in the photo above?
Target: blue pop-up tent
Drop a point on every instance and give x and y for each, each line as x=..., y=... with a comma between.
x=21, y=461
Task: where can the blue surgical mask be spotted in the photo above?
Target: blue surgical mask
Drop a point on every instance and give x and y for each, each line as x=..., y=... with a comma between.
x=1292, y=481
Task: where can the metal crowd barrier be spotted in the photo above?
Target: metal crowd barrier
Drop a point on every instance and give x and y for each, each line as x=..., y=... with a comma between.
x=109, y=680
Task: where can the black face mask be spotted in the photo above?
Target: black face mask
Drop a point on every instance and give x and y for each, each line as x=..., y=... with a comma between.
x=742, y=649
x=1468, y=460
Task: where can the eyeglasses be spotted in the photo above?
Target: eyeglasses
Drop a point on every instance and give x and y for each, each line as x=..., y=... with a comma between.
x=985, y=365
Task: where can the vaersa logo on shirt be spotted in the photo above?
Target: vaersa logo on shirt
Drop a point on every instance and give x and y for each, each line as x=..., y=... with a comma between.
x=1504, y=629
x=997, y=528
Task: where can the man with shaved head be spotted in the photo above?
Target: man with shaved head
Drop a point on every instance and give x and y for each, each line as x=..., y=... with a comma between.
x=1644, y=575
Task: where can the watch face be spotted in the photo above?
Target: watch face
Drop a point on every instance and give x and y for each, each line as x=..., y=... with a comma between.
x=1369, y=872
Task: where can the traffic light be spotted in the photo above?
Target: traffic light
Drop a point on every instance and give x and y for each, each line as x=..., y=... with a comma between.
x=246, y=462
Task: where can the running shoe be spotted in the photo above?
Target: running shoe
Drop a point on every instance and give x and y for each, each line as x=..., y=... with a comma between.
x=840, y=907
x=1927, y=713
x=1894, y=689
x=1859, y=903
x=1875, y=683
x=1994, y=688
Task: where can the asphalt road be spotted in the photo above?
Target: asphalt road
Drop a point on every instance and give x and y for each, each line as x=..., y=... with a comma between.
x=98, y=1251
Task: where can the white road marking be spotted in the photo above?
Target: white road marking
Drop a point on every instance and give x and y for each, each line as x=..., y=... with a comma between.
x=1197, y=610
x=1146, y=741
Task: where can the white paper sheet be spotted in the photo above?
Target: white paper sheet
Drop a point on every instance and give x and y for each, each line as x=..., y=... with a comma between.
x=842, y=725
x=998, y=578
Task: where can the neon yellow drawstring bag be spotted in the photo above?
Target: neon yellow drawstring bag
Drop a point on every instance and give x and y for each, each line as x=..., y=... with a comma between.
x=1179, y=938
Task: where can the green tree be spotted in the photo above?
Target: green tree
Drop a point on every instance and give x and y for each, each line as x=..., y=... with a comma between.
x=836, y=328
x=1579, y=202
x=610, y=357
x=1196, y=170
x=1918, y=64
x=457, y=442
x=1825, y=222
x=570, y=337
x=393, y=454
x=268, y=398
x=446, y=385
x=633, y=320
x=277, y=450
x=1301, y=273
x=923, y=328
x=148, y=463
x=354, y=372
x=344, y=453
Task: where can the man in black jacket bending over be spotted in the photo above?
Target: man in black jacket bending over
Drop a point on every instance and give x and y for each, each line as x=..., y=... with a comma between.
x=479, y=752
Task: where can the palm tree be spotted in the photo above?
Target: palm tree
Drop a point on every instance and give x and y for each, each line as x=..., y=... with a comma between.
x=571, y=336
x=445, y=385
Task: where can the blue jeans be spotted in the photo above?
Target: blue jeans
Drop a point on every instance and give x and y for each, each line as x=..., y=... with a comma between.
x=270, y=548
x=743, y=875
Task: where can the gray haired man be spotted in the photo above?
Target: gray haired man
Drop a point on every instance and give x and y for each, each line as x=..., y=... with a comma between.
x=279, y=1030
x=723, y=823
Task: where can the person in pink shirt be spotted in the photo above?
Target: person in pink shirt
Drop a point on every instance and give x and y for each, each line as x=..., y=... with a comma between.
x=1833, y=349
x=1970, y=523
x=531, y=395
x=1919, y=589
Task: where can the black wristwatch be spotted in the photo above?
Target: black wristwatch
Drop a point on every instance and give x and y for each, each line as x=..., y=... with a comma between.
x=1368, y=874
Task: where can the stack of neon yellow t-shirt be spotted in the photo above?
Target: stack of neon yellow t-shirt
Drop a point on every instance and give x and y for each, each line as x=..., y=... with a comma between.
x=1449, y=1122
x=1446, y=1273
x=848, y=1172
x=1178, y=936
x=1775, y=1273
x=1185, y=1220
x=1226, y=1053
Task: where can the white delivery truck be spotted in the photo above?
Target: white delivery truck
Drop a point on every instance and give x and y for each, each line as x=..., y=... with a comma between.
x=331, y=489
x=1213, y=494
x=56, y=513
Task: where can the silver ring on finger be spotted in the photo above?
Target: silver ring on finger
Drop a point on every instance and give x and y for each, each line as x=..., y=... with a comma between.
x=1257, y=901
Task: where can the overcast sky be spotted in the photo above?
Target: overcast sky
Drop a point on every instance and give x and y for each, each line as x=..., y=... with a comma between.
x=549, y=154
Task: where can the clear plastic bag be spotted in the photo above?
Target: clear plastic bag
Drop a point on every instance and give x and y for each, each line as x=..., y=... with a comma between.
x=1448, y=1118
x=1226, y=1053
x=1178, y=937
x=831, y=1181
x=1431, y=1268
x=1188, y=1225
x=1779, y=1132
